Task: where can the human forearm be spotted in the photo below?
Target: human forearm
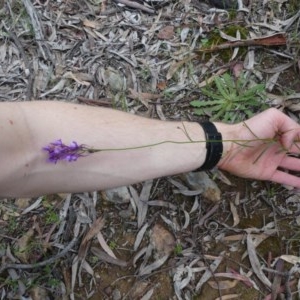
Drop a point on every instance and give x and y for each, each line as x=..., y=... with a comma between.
x=40, y=123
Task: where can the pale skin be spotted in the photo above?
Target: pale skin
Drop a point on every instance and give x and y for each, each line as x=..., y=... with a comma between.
x=26, y=127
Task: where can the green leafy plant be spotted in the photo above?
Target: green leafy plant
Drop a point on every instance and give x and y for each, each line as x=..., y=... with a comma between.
x=293, y=6
x=112, y=245
x=51, y=217
x=215, y=38
x=231, y=100
x=12, y=284
x=12, y=224
x=178, y=249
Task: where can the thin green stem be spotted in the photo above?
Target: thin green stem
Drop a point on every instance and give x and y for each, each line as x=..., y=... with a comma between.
x=245, y=124
x=185, y=132
x=266, y=140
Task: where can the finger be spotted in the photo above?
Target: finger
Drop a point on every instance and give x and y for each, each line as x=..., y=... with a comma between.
x=290, y=163
x=284, y=125
x=295, y=148
x=286, y=178
x=290, y=138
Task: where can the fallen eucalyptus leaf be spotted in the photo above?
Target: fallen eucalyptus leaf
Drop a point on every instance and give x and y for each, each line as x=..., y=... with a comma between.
x=255, y=264
x=201, y=181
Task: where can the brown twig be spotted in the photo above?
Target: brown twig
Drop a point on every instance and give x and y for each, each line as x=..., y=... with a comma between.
x=274, y=40
x=42, y=263
x=94, y=101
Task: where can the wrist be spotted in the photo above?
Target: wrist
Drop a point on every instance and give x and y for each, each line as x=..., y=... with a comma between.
x=229, y=134
x=214, y=146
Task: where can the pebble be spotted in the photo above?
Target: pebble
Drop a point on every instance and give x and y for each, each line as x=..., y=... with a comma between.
x=116, y=295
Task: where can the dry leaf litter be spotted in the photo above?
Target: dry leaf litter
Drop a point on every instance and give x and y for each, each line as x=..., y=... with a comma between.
x=194, y=236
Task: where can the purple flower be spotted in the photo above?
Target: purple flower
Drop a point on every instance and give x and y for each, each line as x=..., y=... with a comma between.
x=59, y=151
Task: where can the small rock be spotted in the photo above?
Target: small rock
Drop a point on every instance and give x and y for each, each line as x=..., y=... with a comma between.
x=116, y=295
x=139, y=289
x=162, y=240
x=115, y=80
x=166, y=33
x=22, y=246
x=118, y=195
x=108, y=290
x=22, y=203
x=38, y=293
x=126, y=213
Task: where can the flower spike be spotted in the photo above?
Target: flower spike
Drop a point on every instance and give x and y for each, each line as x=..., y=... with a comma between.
x=57, y=150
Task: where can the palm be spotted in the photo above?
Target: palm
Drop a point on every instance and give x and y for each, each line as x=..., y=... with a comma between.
x=264, y=141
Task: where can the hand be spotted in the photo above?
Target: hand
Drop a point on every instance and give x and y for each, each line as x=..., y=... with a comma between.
x=262, y=147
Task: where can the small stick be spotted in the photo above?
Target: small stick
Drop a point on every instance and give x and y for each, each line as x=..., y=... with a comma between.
x=42, y=263
x=274, y=40
x=98, y=102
